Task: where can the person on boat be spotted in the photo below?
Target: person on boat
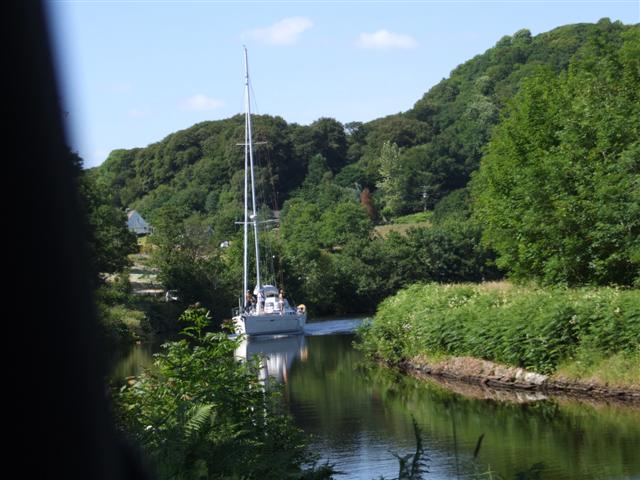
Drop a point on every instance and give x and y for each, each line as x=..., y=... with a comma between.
x=260, y=301
x=250, y=301
x=281, y=302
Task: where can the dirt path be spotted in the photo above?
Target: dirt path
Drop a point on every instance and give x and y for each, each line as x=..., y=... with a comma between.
x=143, y=278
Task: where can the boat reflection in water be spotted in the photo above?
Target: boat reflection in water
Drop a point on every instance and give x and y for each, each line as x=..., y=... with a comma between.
x=276, y=352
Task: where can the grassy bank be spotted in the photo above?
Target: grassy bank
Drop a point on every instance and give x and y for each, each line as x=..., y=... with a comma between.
x=403, y=224
x=583, y=334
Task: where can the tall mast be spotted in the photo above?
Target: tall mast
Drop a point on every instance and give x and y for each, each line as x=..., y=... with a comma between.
x=249, y=153
x=245, y=250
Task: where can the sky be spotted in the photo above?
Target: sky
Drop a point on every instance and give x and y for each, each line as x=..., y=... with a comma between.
x=132, y=71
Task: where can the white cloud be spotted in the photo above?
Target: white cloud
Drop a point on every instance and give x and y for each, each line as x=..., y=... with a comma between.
x=284, y=32
x=384, y=40
x=200, y=102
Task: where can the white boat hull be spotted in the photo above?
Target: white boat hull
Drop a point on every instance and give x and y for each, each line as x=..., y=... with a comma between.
x=270, y=323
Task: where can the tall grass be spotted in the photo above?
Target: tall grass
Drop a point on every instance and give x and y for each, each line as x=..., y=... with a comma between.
x=535, y=328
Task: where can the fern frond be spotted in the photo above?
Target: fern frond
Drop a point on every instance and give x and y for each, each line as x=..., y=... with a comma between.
x=197, y=419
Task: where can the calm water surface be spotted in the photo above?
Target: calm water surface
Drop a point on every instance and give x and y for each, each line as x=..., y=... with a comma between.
x=359, y=417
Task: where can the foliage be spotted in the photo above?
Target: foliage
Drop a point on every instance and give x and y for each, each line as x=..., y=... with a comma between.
x=120, y=321
x=366, y=200
x=108, y=240
x=559, y=188
x=450, y=124
x=414, y=218
x=190, y=262
x=330, y=141
x=422, y=158
x=526, y=327
x=391, y=183
x=454, y=206
x=343, y=223
x=197, y=169
x=332, y=259
x=200, y=413
x=125, y=317
x=593, y=366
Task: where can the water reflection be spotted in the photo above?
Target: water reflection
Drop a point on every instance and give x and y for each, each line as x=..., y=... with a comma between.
x=359, y=416
x=133, y=362
x=276, y=353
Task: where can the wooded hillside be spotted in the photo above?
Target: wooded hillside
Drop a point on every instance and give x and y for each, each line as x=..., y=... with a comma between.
x=554, y=198
x=441, y=138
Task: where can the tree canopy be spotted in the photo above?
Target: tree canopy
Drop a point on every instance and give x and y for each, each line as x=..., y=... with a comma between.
x=559, y=188
x=441, y=138
x=551, y=118
x=107, y=238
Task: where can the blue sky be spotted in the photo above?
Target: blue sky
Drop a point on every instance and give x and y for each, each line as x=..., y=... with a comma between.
x=133, y=72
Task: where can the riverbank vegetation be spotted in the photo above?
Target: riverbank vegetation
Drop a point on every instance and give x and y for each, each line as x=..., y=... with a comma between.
x=123, y=316
x=588, y=334
x=126, y=317
x=201, y=413
x=121, y=323
x=557, y=194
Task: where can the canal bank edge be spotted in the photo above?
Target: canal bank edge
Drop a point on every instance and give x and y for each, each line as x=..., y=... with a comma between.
x=497, y=376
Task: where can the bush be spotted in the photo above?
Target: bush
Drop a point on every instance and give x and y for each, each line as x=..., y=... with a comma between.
x=527, y=327
x=557, y=190
x=201, y=413
x=122, y=320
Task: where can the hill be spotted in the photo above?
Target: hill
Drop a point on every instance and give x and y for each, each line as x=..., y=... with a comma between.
x=441, y=138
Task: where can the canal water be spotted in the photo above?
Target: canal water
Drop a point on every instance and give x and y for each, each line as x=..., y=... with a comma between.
x=361, y=418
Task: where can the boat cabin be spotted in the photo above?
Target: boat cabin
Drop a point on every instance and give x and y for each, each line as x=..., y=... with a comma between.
x=271, y=296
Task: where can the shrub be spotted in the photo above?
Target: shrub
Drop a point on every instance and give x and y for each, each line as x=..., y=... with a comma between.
x=201, y=413
x=526, y=327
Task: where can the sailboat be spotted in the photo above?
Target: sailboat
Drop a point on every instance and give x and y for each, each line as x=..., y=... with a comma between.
x=265, y=311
